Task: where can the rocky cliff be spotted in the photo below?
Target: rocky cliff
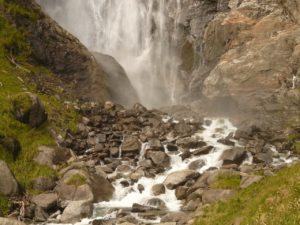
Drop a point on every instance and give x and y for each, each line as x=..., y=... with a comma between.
x=241, y=57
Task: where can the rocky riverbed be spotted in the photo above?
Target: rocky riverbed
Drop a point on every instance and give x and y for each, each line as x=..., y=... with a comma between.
x=139, y=166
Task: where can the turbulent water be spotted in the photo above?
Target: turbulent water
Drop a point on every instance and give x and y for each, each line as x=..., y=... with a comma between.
x=138, y=33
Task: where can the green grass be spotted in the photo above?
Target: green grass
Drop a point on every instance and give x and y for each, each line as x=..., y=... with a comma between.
x=273, y=201
x=4, y=205
x=14, y=81
x=77, y=180
x=226, y=182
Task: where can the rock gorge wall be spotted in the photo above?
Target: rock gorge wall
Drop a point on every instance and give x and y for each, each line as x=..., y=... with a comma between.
x=239, y=57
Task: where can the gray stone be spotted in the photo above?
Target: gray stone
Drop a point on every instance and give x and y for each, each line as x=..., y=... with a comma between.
x=178, y=178
x=8, y=184
x=6, y=221
x=44, y=183
x=158, y=158
x=234, y=156
x=197, y=164
x=46, y=201
x=131, y=145
x=40, y=215
x=178, y=217
x=158, y=189
x=76, y=210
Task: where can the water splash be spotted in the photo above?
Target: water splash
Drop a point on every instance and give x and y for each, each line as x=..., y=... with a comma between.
x=139, y=34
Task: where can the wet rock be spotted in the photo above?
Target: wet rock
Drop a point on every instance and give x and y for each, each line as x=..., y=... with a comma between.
x=114, y=151
x=181, y=192
x=155, y=144
x=52, y=156
x=137, y=208
x=234, y=156
x=6, y=221
x=214, y=195
x=141, y=188
x=28, y=109
x=131, y=145
x=158, y=189
x=76, y=210
x=8, y=184
x=171, y=147
x=146, y=164
x=190, y=143
x=249, y=180
x=46, y=201
x=226, y=141
x=159, y=158
x=263, y=158
x=180, y=218
x=157, y=203
x=203, y=151
x=197, y=164
x=178, y=178
x=44, y=183
x=185, y=154
x=125, y=183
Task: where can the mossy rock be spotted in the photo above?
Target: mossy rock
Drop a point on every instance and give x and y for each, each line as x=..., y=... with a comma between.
x=10, y=148
x=27, y=108
x=76, y=180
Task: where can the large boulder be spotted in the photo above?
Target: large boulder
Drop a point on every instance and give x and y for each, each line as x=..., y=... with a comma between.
x=177, y=178
x=82, y=185
x=6, y=221
x=52, y=156
x=131, y=145
x=159, y=158
x=8, y=184
x=76, y=210
x=234, y=156
x=28, y=109
x=46, y=201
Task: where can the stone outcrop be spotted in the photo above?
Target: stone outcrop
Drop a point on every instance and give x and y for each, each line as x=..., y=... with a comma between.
x=28, y=108
x=8, y=184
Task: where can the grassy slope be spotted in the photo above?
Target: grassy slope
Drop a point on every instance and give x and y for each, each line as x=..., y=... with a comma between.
x=15, y=80
x=273, y=201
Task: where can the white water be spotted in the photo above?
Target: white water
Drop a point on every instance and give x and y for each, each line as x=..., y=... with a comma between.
x=137, y=33
x=125, y=197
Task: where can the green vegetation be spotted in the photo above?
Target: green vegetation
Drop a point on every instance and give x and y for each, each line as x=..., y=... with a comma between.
x=227, y=182
x=4, y=205
x=273, y=201
x=17, y=75
x=77, y=180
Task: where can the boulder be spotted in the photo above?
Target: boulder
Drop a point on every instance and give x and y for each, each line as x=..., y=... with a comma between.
x=197, y=164
x=6, y=221
x=203, y=151
x=190, y=143
x=76, y=210
x=46, y=201
x=44, y=183
x=181, y=192
x=82, y=185
x=178, y=178
x=157, y=203
x=158, y=158
x=180, y=218
x=155, y=144
x=158, y=189
x=249, y=180
x=214, y=195
x=137, y=208
x=234, y=156
x=40, y=215
x=53, y=156
x=131, y=145
x=28, y=109
x=8, y=184
x=263, y=158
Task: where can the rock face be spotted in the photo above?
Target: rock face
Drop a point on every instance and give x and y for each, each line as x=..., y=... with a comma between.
x=27, y=108
x=8, y=183
x=121, y=88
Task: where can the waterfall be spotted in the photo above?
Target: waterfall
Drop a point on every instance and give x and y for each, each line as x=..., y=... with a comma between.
x=138, y=33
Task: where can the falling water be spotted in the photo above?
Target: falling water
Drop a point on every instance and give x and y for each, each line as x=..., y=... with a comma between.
x=138, y=33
